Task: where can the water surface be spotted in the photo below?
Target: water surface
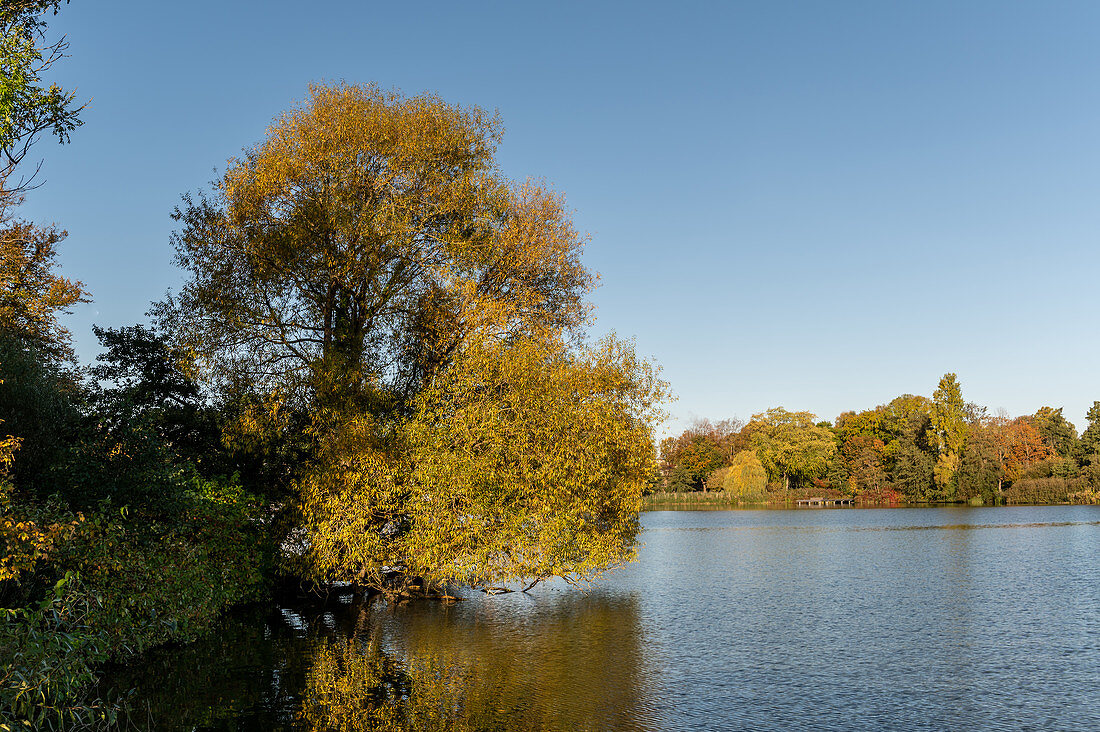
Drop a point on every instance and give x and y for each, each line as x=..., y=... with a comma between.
x=923, y=619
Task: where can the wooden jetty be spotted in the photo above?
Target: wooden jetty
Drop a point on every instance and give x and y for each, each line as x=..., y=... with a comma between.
x=824, y=501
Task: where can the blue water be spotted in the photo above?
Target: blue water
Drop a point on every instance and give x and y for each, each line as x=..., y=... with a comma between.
x=909, y=619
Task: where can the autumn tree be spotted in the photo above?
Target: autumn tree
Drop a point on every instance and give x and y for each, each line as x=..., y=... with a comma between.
x=32, y=293
x=885, y=447
x=366, y=263
x=998, y=452
x=790, y=445
x=906, y=416
x=724, y=434
x=340, y=251
x=1057, y=432
x=37, y=401
x=1090, y=438
x=948, y=429
x=745, y=476
x=865, y=457
x=688, y=460
x=703, y=447
x=912, y=416
x=29, y=107
x=980, y=471
x=540, y=455
x=911, y=470
x=1026, y=446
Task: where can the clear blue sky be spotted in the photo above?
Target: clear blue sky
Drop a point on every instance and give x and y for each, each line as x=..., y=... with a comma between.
x=819, y=205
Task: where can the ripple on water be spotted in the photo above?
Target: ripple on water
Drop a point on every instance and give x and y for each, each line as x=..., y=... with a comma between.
x=916, y=619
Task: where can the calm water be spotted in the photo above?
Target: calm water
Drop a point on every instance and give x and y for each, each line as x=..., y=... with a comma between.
x=914, y=619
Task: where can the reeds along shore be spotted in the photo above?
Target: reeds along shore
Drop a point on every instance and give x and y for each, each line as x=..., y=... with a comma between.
x=725, y=499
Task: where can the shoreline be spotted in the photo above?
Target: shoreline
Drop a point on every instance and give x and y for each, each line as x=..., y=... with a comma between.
x=716, y=500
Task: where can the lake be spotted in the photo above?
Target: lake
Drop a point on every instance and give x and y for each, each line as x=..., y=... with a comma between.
x=913, y=619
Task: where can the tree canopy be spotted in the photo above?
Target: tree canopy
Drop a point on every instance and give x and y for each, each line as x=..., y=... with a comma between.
x=912, y=449
x=704, y=446
x=745, y=475
x=368, y=264
x=790, y=445
x=28, y=107
x=949, y=428
x=32, y=293
x=1090, y=438
x=346, y=247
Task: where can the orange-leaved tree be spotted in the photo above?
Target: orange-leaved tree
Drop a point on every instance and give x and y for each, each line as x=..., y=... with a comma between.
x=32, y=294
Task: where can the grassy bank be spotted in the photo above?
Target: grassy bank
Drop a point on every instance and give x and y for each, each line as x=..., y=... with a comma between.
x=716, y=499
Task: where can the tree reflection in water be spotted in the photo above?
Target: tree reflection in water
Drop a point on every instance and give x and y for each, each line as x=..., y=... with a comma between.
x=559, y=660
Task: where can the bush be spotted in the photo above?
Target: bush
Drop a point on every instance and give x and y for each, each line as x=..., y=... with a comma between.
x=1056, y=467
x=51, y=653
x=747, y=478
x=38, y=405
x=1044, y=490
x=71, y=449
x=110, y=584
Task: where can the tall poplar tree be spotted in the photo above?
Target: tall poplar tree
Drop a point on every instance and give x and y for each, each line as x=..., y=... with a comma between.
x=949, y=430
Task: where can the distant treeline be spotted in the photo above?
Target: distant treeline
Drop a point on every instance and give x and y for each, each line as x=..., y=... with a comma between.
x=912, y=450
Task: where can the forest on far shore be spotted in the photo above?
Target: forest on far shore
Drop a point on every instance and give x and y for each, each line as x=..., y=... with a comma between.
x=911, y=450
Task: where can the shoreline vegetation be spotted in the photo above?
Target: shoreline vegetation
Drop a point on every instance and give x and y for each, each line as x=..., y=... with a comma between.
x=914, y=450
x=699, y=499
x=375, y=375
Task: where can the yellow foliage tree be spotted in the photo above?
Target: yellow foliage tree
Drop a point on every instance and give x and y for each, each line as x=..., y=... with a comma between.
x=337, y=256
x=746, y=476
x=949, y=431
x=530, y=461
x=790, y=445
x=368, y=264
x=525, y=459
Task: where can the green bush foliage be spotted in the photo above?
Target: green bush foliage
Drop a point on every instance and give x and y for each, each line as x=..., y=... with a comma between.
x=85, y=588
x=51, y=652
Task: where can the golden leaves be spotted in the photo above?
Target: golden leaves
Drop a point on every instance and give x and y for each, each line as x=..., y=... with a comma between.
x=32, y=295
x=542, y=452
x=350, y=243
x=368, y=259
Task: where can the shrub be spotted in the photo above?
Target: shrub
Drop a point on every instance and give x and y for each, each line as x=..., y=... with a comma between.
x=51, y=652
x=747, y=478
x=109, y=584
x=1044, y=490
